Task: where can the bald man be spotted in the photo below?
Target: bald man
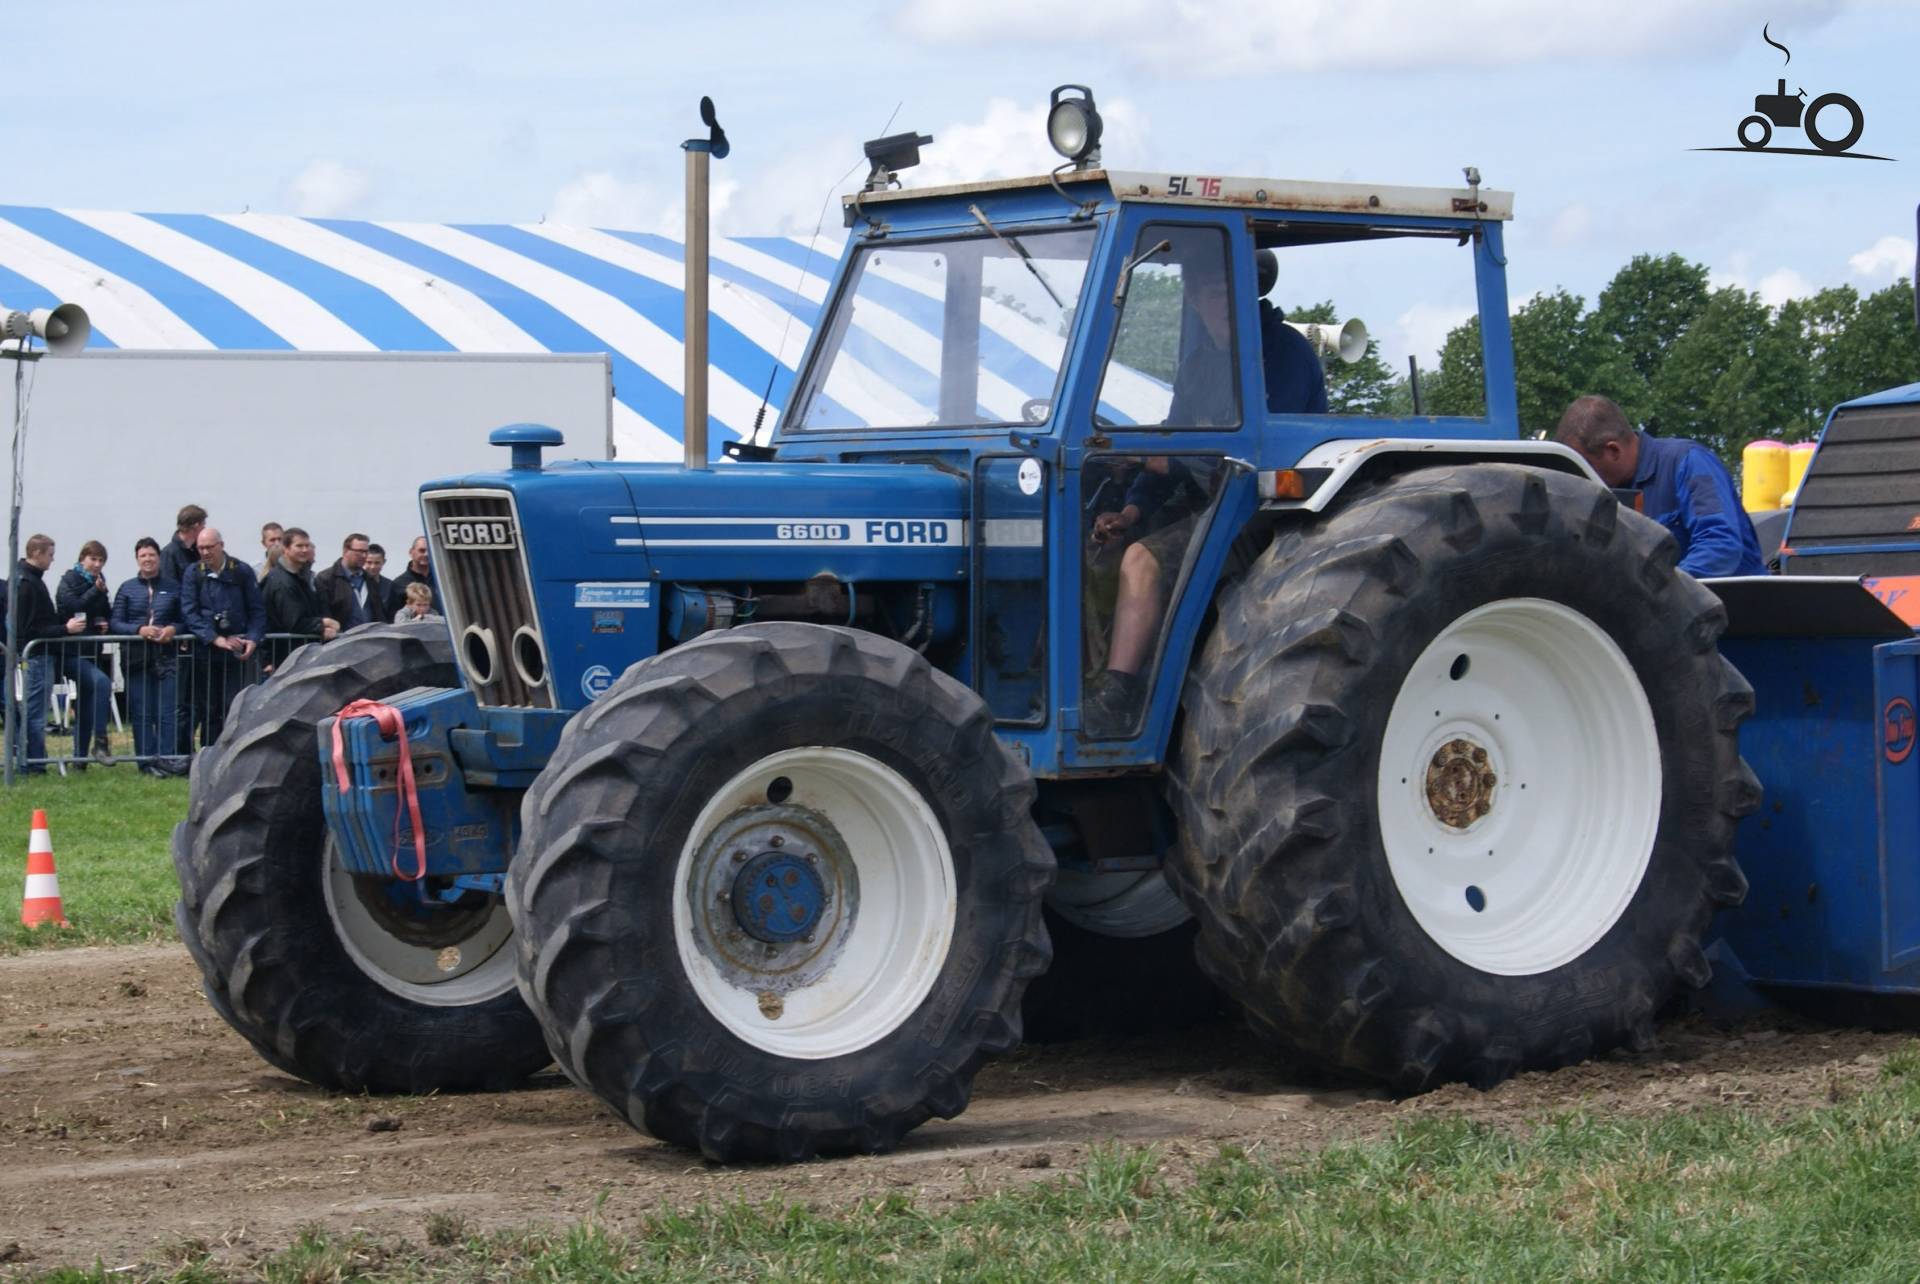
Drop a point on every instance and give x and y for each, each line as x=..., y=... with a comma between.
x=223, y=606
x=1685, y=487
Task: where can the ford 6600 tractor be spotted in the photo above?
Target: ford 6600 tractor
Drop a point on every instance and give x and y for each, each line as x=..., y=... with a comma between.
x=738, y=790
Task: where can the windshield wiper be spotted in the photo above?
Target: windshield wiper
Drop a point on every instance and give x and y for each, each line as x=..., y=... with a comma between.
x=1021, y=250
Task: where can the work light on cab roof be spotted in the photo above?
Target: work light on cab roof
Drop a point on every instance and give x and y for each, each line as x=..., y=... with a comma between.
x=1073, y=126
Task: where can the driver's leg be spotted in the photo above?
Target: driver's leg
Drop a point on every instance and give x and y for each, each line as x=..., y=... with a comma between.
x=1113, y=705
x=1136, y=614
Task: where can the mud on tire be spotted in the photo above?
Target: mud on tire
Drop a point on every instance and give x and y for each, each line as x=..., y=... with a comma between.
x=625, y=956
x=258, y=915
x=1278, y=786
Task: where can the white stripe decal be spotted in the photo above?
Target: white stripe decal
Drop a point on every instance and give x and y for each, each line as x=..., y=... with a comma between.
x=120, y=308
x=811, y=532
x=275, y=304
x=454, y=313
x=42, y=887
x=606, y=315
x=1013, y=532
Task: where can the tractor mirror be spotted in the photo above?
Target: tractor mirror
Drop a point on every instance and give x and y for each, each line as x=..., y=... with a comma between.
x=1126, y=269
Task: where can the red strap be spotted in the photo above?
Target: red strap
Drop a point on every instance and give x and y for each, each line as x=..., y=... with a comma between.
x=393, y=726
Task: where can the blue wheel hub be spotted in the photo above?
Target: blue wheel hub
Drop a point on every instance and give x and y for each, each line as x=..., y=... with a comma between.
x=778, y=897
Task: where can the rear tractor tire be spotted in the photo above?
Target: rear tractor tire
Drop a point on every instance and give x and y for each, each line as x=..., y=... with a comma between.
x=780, y=894
x=1458, y=779
x=341, y=981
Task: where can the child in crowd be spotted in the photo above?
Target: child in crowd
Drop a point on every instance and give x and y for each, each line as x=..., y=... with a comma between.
x=419, y=607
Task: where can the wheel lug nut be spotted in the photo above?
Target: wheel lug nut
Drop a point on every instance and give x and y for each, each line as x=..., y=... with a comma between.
x=739, y=857
x=776, y=841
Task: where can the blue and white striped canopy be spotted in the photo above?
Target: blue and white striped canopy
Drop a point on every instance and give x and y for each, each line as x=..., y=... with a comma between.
x=265, y=282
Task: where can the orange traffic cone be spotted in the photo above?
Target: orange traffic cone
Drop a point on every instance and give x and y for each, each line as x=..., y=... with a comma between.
x=42, y=901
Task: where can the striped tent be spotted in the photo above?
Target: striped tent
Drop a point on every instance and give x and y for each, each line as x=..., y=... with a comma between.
x=264, y=282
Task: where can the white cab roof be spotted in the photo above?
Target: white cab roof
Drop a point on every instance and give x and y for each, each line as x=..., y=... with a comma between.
x=1277, y=194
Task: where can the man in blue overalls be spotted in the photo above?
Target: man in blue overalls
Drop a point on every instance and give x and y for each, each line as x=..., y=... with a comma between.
x=1685, y=487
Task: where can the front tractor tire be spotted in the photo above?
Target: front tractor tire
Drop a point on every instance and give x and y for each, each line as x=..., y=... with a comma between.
x=1458, y=779
x=780, y=894
x=344, y=982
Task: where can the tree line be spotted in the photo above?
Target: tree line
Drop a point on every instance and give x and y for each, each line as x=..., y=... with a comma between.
x=1682, y=359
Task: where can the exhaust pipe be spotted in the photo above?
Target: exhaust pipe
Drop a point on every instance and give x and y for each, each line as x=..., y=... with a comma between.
x=693, y=395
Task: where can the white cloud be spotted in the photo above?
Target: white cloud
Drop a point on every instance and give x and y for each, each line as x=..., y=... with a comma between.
x=783, y=197
x=1422, y=328
x=1781, y=284
x=1570, y=226
x=598, y=198
x=1774, y=288
x=327, y=189
x=1885, y=259
x=1010, y=141
x=1199, y=38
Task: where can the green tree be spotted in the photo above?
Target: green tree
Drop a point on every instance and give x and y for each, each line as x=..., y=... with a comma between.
x=1879, y=347
x=1733, y=376
x=1459, y=386
x=1647, y=306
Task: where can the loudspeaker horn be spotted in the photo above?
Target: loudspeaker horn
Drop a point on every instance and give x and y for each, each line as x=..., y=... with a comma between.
x=65, y=328
x=1347, y=342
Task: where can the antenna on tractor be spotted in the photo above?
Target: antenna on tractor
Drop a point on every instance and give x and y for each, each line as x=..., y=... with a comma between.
x=693, y=429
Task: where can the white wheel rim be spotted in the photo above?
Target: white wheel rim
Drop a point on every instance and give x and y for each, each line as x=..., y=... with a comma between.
x=1574, y=801
x=886, y=941
x=474, y=969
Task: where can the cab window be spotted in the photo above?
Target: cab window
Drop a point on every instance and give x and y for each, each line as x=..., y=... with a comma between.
x=1173, y=361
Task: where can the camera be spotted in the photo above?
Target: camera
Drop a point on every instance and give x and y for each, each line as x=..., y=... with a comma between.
x=222, y=621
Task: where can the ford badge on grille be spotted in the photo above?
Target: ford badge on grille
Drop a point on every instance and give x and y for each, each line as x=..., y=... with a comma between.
x=476, y=532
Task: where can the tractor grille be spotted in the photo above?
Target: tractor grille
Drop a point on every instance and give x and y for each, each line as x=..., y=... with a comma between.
x=1863, y=488
x=487, y=590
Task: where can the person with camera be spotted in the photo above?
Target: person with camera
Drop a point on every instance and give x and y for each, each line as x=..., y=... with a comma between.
x=223, y=606
x=82, y=593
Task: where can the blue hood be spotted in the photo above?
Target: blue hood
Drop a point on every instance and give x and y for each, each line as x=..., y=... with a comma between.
x=779, y=521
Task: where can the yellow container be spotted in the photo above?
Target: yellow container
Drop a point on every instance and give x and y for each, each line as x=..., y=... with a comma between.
x=1799, y=455
x=1763, y=475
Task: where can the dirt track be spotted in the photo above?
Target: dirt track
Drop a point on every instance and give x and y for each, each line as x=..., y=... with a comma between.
x=133, y=1122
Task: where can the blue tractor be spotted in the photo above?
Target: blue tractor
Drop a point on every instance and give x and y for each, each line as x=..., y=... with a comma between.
x=739, y=790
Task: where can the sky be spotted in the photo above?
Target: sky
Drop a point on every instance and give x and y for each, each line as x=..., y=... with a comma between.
x=571, y=111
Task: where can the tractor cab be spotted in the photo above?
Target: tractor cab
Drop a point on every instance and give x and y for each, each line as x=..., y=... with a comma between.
x=1097, y=352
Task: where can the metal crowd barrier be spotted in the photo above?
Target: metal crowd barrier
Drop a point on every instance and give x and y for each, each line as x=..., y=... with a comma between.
x=170, y=698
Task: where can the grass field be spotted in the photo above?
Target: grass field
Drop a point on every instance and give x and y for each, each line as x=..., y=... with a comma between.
x=1720, y=1194
x=110, y=827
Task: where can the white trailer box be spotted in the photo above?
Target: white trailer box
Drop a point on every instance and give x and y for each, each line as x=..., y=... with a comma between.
x=118, y=441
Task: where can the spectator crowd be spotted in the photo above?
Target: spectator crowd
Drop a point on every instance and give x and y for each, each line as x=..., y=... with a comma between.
x=190, y=630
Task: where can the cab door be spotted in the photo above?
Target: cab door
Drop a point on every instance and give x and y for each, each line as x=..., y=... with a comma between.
x=1153, y=468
